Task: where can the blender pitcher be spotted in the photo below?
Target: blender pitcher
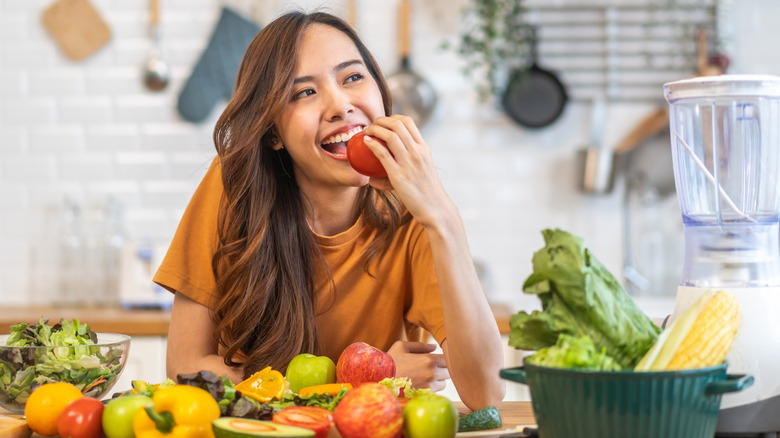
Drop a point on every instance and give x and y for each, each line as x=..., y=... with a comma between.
x=725, y=134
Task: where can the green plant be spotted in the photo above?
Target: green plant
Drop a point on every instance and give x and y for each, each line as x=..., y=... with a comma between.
x=494, y=42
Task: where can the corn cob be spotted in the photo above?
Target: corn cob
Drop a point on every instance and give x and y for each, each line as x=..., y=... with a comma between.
x=700, y=337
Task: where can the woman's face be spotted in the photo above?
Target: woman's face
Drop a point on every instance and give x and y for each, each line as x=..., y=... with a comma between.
x=333, y=97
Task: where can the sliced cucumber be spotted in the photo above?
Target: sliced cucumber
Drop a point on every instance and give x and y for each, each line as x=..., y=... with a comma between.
x=485, y=418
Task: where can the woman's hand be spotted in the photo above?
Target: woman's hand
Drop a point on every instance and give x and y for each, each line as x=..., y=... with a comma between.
x=415, y=361
x=410, y=168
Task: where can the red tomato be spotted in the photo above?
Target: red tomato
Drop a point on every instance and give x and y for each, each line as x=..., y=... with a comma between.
x=309, y=417
x=362, y=159
x=82, y=418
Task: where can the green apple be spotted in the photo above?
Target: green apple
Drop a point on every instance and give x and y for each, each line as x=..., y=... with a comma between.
x=309, y=370
x=118, y=415
x=430, y=416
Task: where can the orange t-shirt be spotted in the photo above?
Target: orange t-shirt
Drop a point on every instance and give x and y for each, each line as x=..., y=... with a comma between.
x=401, y=297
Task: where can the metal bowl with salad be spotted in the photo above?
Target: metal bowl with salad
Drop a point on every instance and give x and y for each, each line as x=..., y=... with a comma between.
x=69, y=351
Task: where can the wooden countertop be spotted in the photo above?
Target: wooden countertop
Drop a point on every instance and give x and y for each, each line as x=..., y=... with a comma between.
x=100, y=319
x=137, y=322
x=514, y=415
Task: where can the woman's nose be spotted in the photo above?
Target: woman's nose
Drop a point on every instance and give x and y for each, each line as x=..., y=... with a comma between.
x=338, y=104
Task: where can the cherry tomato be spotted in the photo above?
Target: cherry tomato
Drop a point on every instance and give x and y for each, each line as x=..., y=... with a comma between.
x=82, y=418
x=309, y=417
x=362, y=159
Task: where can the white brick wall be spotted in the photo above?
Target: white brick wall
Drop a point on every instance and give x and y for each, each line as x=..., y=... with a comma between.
x=89, y=129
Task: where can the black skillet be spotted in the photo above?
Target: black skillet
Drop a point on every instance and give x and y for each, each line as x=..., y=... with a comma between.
x=534, y=98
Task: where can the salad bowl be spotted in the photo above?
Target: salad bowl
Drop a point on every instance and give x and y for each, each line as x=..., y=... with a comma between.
x=92, y=368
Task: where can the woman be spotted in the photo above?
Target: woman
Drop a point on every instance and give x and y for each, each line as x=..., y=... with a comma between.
x=285, y=249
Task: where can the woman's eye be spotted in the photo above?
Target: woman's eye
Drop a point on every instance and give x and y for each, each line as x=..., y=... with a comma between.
x=303, y=93
x=354, y=77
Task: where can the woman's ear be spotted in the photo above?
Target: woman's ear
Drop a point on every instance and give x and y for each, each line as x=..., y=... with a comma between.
x=276, y=144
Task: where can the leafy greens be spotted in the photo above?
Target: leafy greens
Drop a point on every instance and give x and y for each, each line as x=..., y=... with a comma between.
x=571, y=352
x=580, y=298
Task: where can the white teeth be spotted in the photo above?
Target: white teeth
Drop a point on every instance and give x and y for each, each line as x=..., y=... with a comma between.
x=344, y=136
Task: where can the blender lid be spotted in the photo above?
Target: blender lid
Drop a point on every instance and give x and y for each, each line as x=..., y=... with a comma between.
x=723, y=86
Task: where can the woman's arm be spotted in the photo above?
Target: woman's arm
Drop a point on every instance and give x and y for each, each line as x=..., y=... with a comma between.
x=473, y=349
x=191, y=344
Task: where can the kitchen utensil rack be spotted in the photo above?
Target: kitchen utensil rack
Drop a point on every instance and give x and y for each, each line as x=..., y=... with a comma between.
x=621, y=51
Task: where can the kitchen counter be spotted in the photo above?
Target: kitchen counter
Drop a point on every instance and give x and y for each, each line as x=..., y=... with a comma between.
x=100, y=319
x=138, y=322
x=514, y=415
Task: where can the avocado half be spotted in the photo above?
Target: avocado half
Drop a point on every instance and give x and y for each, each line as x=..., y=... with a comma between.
x=234, y=427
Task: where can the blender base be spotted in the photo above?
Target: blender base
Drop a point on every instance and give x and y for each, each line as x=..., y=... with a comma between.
x=756, y=351
x=751, y=435
x=759, y=416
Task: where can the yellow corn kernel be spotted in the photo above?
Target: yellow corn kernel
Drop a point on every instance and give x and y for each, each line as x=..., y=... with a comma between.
x=709, y=339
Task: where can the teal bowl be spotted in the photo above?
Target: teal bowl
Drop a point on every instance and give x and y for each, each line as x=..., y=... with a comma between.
x=671, y=404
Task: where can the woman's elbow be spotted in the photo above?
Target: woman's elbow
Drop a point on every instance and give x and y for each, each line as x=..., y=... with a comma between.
x=491, y=394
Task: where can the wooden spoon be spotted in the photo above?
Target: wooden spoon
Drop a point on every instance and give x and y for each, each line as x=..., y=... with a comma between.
x=646, y=128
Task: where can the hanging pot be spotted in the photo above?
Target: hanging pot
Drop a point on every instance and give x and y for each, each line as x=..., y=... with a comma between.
x=534, y=98
x=412, y=94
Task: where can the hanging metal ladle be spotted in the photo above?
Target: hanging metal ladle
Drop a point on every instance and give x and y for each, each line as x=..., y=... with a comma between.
x=156, y=72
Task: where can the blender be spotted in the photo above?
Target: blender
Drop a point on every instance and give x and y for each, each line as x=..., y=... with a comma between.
x=725, y=134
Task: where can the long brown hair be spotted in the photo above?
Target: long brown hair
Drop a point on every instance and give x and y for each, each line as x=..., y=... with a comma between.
x=267, y=255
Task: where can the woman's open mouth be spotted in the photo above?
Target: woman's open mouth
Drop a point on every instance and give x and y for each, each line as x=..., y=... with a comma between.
x=337, y=144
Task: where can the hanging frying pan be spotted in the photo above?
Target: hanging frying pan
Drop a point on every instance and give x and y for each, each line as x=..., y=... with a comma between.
x=534, y=98
x=412, y=95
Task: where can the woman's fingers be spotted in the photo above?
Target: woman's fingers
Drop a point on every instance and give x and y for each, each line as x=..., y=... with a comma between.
x=385, y=156
x=437, y=385
x=419, y=347
x=410, y=126
x=415, y=361
x=405, y=146
x=399, y=133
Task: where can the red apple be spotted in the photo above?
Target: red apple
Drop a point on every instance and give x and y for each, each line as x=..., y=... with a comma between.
x=370, y=410
x=362, y=363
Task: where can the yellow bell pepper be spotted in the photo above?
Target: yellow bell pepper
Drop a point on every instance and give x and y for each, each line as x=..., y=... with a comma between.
x=179, y=411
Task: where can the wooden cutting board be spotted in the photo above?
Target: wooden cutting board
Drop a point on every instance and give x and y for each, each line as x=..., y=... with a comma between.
x=11, y=427
x=77, y=27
